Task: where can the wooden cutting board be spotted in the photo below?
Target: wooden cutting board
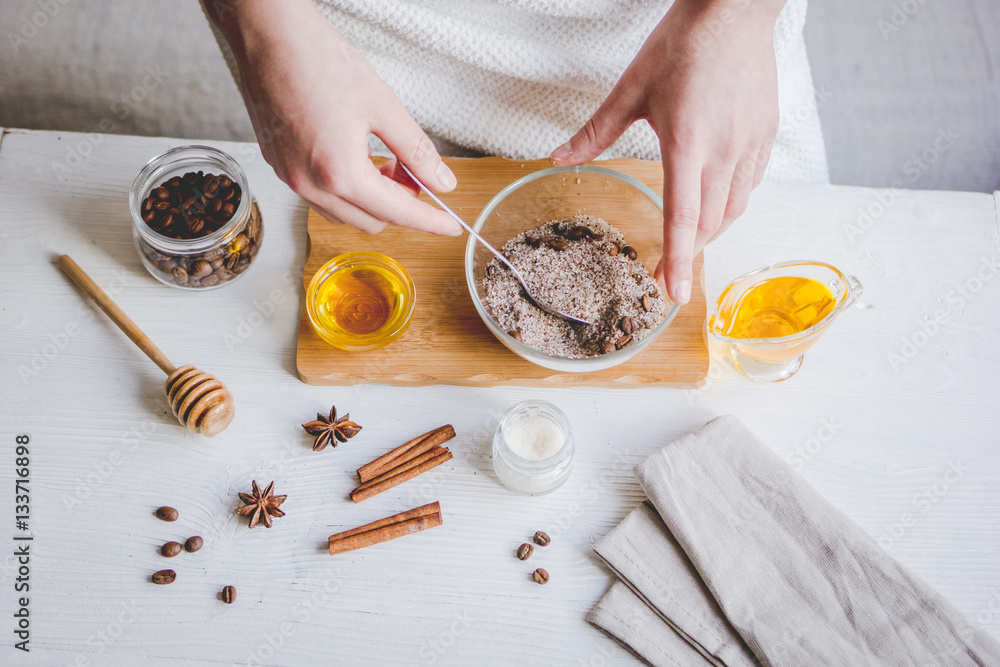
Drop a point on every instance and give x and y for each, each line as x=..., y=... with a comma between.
x=447, y=342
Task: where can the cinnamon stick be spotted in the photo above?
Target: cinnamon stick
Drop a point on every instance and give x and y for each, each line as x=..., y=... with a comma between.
x=405, y=452
x=359, y=494
x=403, y=467
x=389, y=528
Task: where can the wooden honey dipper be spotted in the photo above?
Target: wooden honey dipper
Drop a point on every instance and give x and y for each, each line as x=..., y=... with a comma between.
x=198, y=400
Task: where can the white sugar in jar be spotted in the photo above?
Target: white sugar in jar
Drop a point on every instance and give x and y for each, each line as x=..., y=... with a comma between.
x=533, y=448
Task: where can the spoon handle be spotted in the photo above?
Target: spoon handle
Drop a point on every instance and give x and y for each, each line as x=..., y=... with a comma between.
x=458, y=219
x=117, y=315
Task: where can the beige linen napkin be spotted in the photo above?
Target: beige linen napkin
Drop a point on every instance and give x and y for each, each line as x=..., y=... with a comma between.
x=792, y=576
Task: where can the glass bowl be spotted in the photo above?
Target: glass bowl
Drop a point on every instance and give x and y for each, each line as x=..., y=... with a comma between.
x=360, y=301
x=557, y=193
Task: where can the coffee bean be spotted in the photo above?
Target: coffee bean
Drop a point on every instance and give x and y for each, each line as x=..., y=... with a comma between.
x=214, y=207
x=626, y=324
x=164, y=577
x=174, y=182
x=541, y=576
x=228, y=210
x=162, y=193
x=541, y=539
x=524, y=551
x=516, y=335
x=201, y=268
x=624, y=341
x=630, y=252
x=195, y=225
x=612, y=249
x=161, y=205
x=647, y=303
x=171, y=549
x=210, y=280
x=179, y=274
x=148, y=216
x=229, y=594
x=192, y=544
x=166, y=513
x=558, y=244
x=608, y=347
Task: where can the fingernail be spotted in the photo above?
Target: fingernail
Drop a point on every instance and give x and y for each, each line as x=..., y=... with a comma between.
x=683, y=291
x=445, y=178
x=561, y=153
x=456, y=231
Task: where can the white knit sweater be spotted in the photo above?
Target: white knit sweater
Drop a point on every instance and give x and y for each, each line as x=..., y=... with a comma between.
x=518, y=78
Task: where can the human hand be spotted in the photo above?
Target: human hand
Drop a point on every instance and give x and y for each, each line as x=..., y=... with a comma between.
x=706, y=82
x=313, y=99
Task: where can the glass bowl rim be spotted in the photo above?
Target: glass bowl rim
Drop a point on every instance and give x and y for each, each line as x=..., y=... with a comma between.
x=470, y=250
x=346, y=259
x=842, y=303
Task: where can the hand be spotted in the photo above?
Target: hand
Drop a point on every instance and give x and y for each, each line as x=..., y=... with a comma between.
x=313, y=99
x=706, y=81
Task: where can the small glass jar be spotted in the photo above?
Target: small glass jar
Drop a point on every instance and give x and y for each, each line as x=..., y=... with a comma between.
x=530, y=475
x=205, y=262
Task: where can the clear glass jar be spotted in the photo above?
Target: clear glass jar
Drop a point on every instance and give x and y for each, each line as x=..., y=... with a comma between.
x=205, y=262
x=533, y=476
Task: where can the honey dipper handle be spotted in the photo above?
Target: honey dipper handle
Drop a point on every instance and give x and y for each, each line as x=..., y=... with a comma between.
x=116, y=314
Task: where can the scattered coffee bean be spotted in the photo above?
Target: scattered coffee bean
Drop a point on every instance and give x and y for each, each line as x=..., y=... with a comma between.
x=171, y=549
x=558, y=244
x=192, y=544
x=166, y=513
x=229, y=594
x=541, y=576
x=164, y=577
x=612, y=249
x=647, y=303
x=515, y=334
x=624, y=341
x=541, y=539
x=626, y=325
x=524, y=551
x=630, y=252
x=609, y=347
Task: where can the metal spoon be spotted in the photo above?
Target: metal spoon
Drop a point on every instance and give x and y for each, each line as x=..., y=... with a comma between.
x=517, y=274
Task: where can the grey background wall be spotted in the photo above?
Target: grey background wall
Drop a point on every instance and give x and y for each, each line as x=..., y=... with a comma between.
x=907, y=89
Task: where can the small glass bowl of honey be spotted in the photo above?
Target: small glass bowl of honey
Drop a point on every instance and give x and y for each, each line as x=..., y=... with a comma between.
x=360, y=301
x=771, y=316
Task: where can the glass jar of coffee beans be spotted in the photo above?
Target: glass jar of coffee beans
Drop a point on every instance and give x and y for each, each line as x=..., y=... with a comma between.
x=194, y=222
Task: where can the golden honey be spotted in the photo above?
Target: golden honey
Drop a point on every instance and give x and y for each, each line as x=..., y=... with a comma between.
x=774, y=308
x=360, y=301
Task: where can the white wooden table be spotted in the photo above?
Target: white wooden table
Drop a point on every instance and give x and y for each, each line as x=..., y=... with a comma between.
x=895, y=418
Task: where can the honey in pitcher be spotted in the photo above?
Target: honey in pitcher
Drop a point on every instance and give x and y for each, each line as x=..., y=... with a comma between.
x=774, y=308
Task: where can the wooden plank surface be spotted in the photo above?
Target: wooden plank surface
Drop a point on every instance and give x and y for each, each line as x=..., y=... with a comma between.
x=908, y=450
x=447, y=342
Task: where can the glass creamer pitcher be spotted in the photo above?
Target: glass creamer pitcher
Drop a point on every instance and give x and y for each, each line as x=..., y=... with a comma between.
x=771, y=316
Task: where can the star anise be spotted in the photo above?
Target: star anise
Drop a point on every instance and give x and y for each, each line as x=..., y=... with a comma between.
x=261, y=506
x=330, y=429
